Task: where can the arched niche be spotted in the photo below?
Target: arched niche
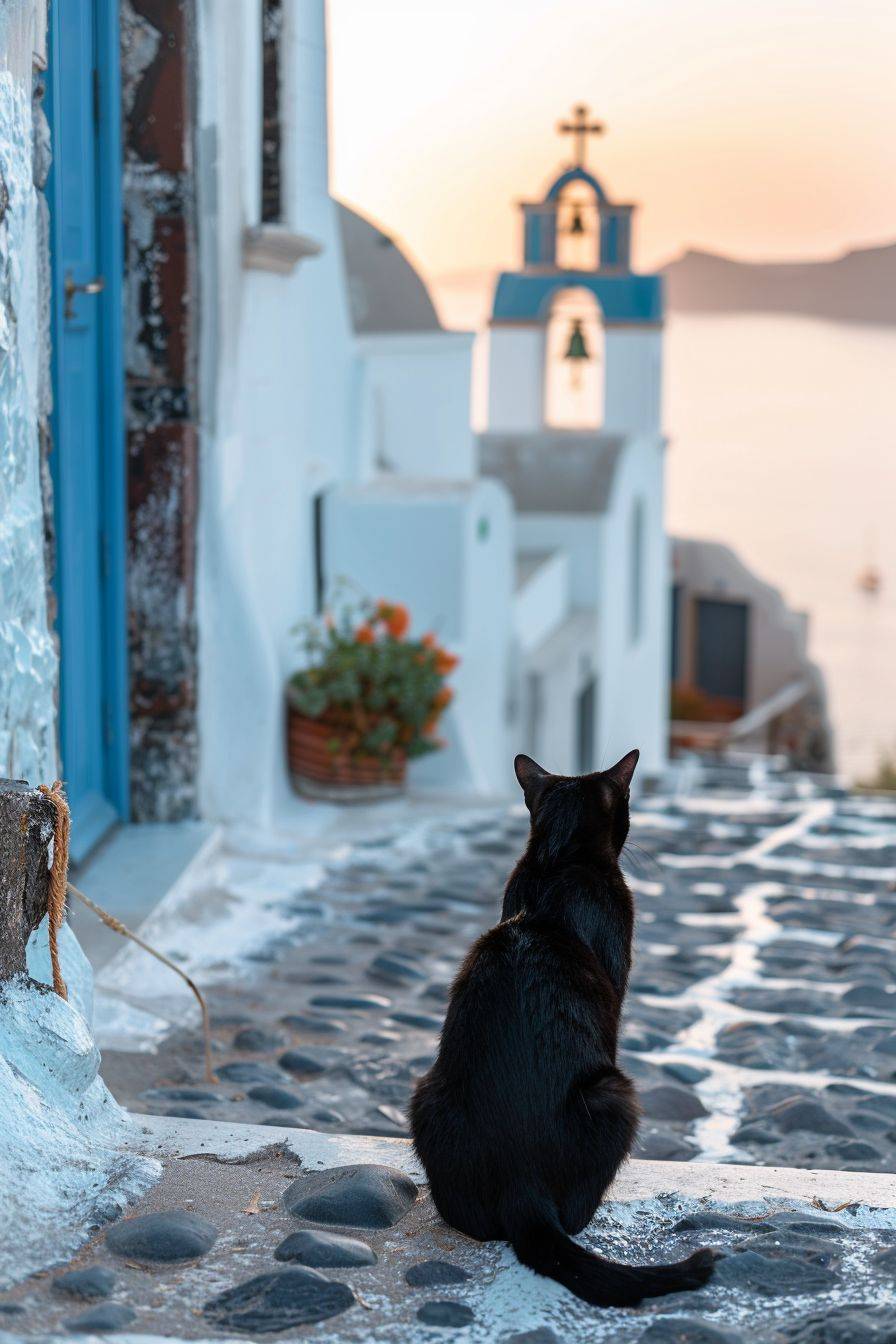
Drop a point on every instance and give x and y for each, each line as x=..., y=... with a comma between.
x=574, y=390
x=578, y=227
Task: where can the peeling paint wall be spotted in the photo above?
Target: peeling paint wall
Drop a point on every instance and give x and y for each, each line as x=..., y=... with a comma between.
x=158, y=79
x=28, y=660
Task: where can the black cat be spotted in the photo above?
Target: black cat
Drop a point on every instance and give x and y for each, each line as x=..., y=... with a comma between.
x=524, y=1119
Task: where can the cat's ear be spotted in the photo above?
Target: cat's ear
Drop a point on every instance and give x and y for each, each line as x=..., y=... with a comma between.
x=621, y=773
x=532, y=779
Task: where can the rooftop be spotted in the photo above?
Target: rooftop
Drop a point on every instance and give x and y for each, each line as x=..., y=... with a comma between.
x=553, y=470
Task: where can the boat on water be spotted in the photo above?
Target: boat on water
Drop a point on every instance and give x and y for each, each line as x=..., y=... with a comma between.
x=870, y=580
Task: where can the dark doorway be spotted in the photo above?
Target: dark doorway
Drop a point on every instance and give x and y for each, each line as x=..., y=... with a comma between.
x=722, y=634
x=586, y=712
x=675, y=651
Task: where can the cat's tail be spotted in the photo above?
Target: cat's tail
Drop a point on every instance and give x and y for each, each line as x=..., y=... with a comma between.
x=542, y=1245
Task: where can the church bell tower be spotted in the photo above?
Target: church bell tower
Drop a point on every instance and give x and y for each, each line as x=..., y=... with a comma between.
x=576, y=272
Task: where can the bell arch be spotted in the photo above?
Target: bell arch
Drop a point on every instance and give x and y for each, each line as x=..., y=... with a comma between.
x=577, y=230
x=575, y=367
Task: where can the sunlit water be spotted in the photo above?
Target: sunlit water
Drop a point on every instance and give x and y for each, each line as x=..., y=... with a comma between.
x=783, y=444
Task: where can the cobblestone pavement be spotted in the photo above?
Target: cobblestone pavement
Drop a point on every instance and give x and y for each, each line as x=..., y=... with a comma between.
x=220, y=1249
x=761, y=1019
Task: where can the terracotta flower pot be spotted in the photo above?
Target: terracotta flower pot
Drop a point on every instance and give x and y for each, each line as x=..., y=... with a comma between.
x=317, y=771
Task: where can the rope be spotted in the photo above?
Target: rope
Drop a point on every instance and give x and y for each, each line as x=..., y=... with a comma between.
x=58, y=879
x=59, y=885
x=115, y=924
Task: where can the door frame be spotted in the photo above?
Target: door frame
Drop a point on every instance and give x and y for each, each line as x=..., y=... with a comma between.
x=111, y=426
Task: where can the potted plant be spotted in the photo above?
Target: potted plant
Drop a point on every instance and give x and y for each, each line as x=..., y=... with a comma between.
x=368, y=699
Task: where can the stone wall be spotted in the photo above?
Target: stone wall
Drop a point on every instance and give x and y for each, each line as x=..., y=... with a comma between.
x=158, y=82
x=28, y=658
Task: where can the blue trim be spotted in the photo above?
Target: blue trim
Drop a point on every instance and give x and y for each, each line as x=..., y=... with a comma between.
x=540, y=237
x=622, y=298
x=609, y=241
x=576, y=175
x=114, y=458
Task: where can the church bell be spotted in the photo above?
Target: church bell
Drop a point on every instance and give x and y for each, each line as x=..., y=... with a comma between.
x=577, y=223
x=577, y=350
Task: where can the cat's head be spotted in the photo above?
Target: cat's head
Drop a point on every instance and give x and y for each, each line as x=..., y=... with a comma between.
x=574, y=814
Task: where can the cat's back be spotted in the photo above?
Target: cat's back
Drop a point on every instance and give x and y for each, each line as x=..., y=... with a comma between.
x=526, y=985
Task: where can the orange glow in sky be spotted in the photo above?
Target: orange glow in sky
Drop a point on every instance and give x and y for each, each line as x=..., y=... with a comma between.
x=761, y=129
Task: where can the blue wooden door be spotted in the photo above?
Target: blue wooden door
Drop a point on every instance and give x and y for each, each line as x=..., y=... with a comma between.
x=88, y=448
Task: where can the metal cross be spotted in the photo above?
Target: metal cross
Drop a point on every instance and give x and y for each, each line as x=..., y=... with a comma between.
x=581, y=128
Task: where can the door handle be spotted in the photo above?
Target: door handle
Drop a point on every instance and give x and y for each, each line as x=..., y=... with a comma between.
x=70, y=288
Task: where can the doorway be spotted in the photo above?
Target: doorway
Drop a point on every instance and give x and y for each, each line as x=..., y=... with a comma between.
x=87, y=459
x=722, y=643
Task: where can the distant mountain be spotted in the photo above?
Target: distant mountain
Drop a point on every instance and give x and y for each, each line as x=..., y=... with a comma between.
x=860, y=286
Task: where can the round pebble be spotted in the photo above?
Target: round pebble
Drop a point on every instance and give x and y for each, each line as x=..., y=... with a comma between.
x=359, y=1003
x=278, y=1098
x=324, y=1250
x=422, y=1021
x=355, y=1196
x=86, y=1284
x=246, y=1072
x=255, y=1040
x=301, y=1063
x=434, y=1273
x=173, y=1235
x=778, y=1277
x=449, y=1315
x=99, y=1320
x=667, y=1102
x=305, y=1022
x=279, y=1301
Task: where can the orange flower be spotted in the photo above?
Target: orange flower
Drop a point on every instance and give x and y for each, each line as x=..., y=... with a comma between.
x=364, y=635
x=429, y=640
x=445, y=662
x=443, y=697
x=397, y=618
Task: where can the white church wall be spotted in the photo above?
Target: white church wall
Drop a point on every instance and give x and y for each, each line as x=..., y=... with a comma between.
x=444, y=550
x=28, y=662
x=542, y=597
x=279, y=376
x=554, y=674
x=516, y=380
x=578, y=535
x=415, y=400
x=633, y=702
x=633, y=356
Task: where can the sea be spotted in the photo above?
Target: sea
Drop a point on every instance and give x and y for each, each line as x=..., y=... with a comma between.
x=782, y=444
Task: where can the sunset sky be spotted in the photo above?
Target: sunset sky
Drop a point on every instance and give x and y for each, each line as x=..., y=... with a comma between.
x=762, y=129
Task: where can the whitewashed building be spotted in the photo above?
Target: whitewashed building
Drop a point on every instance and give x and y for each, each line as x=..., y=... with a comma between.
x=224, y=390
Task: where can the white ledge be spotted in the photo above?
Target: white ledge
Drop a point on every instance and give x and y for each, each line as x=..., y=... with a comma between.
x=162, y=1137
x=273, y=247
